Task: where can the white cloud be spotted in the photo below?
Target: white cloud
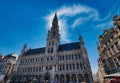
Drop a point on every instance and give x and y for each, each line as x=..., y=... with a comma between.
x=82, y=14
x=104, y=25
x=70, y=11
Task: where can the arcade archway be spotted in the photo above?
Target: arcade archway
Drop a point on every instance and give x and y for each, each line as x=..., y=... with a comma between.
x=47, y=76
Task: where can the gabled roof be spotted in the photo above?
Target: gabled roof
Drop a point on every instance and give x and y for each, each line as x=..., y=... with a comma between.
x=63, y=47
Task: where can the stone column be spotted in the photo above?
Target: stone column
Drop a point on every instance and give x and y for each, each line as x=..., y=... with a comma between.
x=77, y=78
x=65, y=67
x=75, y=66
x=70, y=78
x=58, y=67
x=64, y=78
x=64, y=57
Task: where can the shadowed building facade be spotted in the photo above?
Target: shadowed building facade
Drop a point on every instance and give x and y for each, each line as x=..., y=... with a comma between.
x=109, y=50
x=63, y=63
x=7, y=66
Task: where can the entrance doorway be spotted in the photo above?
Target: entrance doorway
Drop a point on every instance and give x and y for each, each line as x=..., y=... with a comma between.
x=47, y=76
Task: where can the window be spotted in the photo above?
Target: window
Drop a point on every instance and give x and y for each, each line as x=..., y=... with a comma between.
x=117, y=45
x=72, y=57
x=66, y=66
x=48, y=50
x=52, y=42
x=52, y=50
x=69, y=57
x=116, y=62
x=76, y=56
x=73, y=66
x=118, y=58
x=66, y=57
x=60, y=58
x=70, y=66
x=51, y=58
x=39, y=68
x=63, y=57
x=49, y=43
x=60, y=67
x=63, y=67
x=77, y=65
x=36, y=60
x=108, y=41
x=47, y=58
x=112, y=37
x=46, y=68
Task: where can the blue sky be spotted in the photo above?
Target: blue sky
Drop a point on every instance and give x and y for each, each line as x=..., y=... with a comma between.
x=27, y=21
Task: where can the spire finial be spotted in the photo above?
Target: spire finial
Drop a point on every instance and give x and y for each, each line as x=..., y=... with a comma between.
x=55, y=21
x=55, y=13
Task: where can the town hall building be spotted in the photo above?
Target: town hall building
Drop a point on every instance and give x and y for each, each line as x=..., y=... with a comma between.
x=59, y=63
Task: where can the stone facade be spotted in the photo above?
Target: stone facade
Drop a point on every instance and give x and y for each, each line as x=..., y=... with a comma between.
x=63, y=63
x=7, y=66
x=109, y=50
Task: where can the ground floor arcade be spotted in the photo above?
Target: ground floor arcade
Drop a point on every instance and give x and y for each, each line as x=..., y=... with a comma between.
x=58, y=78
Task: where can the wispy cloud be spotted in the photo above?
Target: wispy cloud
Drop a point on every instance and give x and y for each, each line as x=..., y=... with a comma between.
x=82, y=15
x=70, y=11
x=105, y=25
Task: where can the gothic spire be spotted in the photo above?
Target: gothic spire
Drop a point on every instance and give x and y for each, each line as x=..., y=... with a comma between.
x=55, y=21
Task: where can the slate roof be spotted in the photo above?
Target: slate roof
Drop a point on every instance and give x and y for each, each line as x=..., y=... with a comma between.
x=69, y=46
x=63, y=47
x=35, y=51
x=9, y=56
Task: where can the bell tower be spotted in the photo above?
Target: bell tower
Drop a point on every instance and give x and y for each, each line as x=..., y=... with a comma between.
x=53, y=37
